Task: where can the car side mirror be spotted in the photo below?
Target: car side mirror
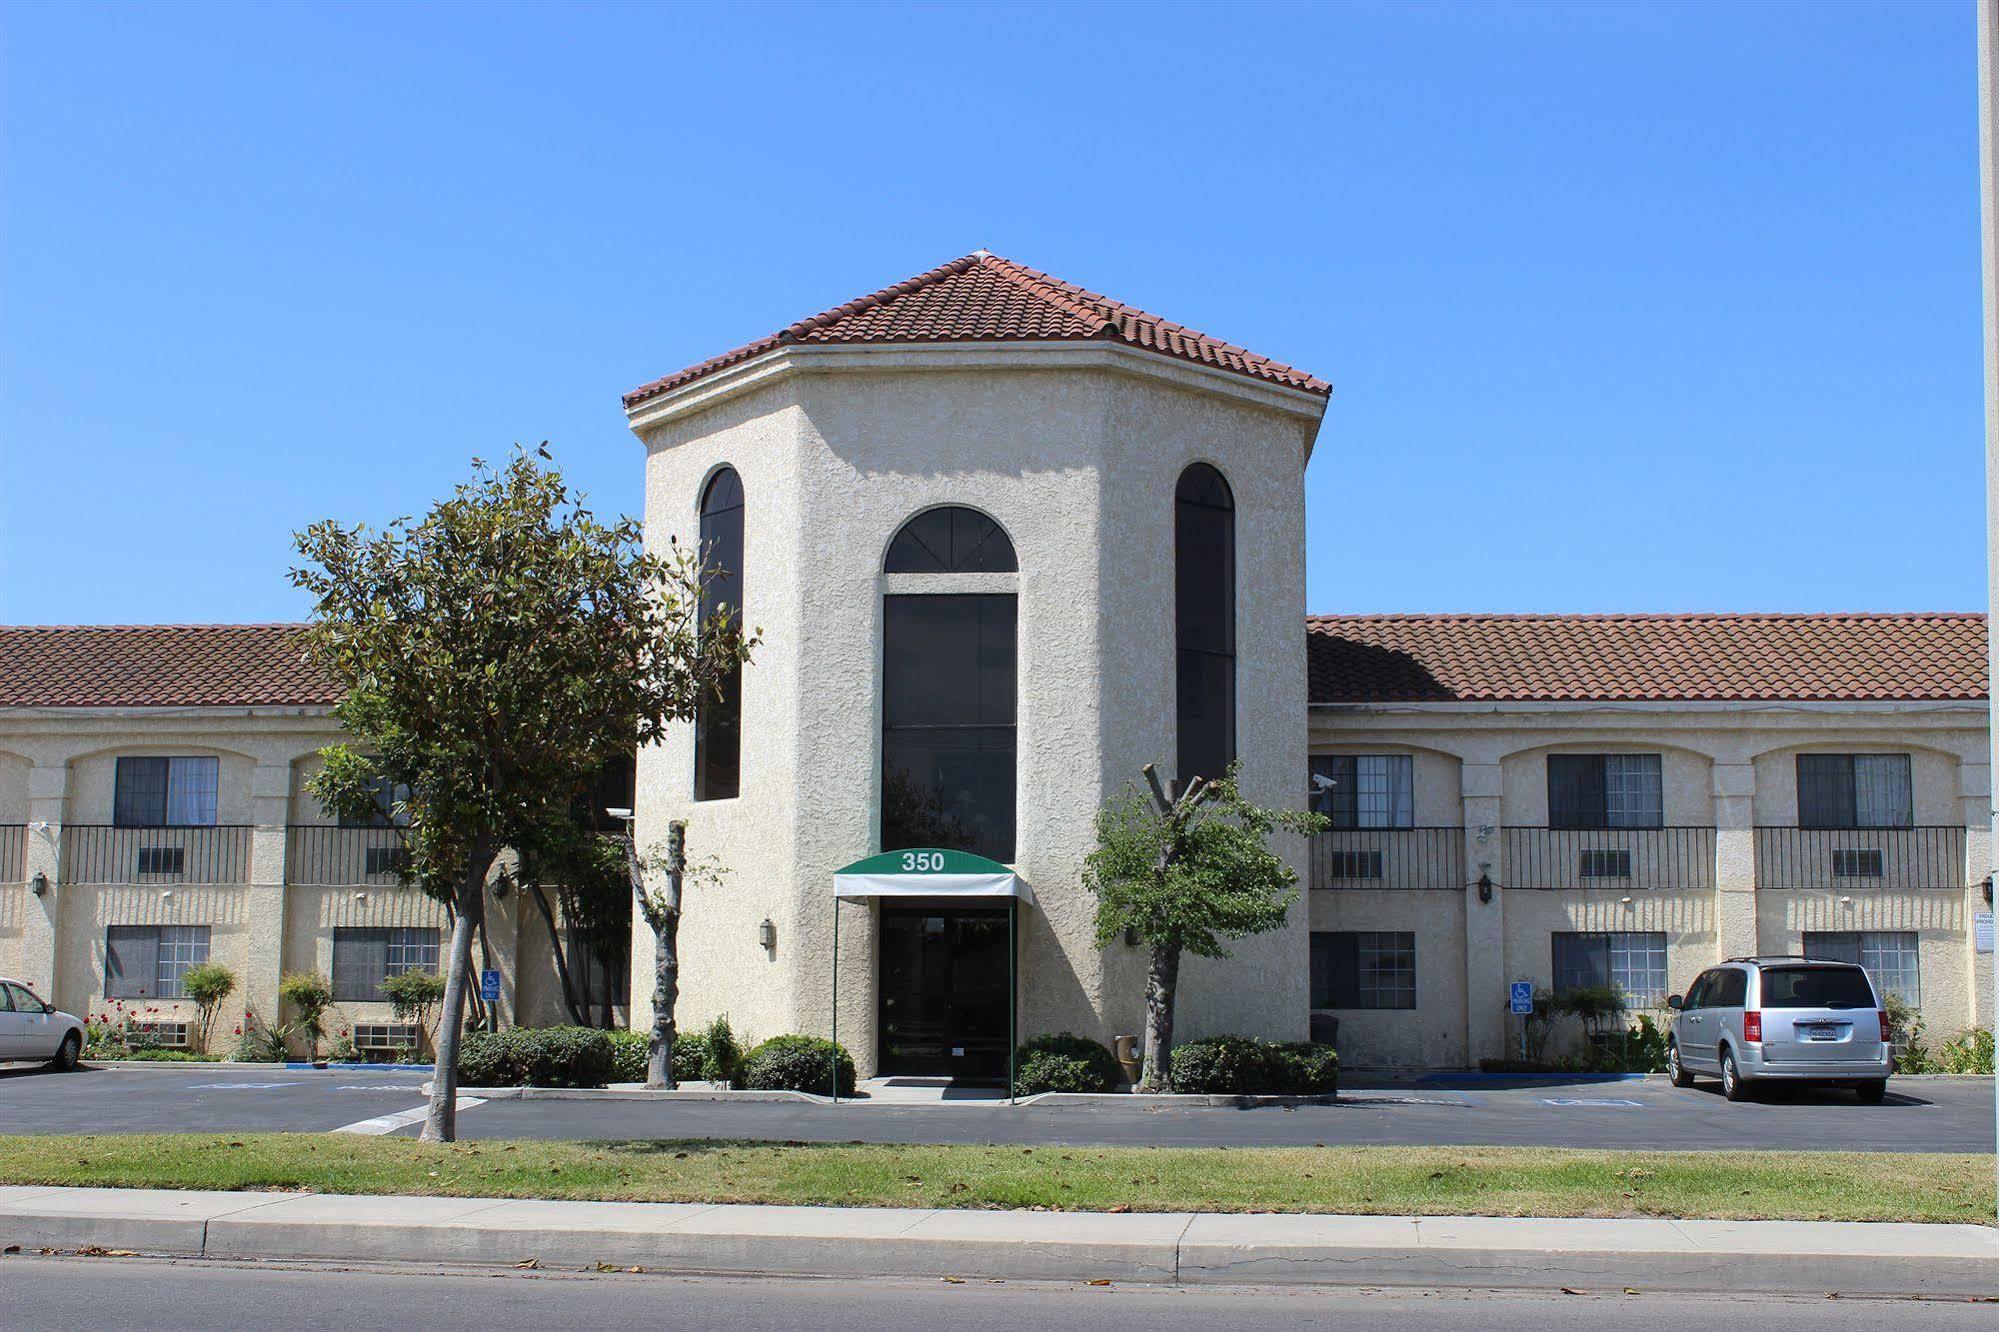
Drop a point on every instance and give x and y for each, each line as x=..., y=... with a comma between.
x=1675, y=1002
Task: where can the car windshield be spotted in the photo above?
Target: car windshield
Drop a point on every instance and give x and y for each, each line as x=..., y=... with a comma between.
x=1816, y=987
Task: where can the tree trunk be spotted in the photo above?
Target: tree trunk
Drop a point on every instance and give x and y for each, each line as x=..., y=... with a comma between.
x=666, y=962
x=561, y=956
x=1162, y=982
x=441, y=1124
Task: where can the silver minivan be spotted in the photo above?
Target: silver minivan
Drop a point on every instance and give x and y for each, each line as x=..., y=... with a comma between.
x=1790, y=1019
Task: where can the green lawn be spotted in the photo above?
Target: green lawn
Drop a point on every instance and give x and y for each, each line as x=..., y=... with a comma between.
x=1488, y=1181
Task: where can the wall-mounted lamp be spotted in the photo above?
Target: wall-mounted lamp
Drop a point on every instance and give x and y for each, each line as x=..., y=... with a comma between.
x=1625, y=900
x=1846, y=901
x=166, y=894
x=1988, y=890
x=767, y=936
x=39, y=886
x=360, y=897
x=1484, y=886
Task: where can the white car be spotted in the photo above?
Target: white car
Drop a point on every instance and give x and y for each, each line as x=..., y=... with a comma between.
x=31, y=1029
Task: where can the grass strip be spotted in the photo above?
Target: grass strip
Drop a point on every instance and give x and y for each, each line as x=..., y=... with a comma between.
x=1476, y=1181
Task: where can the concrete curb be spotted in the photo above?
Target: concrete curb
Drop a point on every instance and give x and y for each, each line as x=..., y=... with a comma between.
x=1777, y=1257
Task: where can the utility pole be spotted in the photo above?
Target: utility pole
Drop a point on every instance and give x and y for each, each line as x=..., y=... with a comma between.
x=1988, y=231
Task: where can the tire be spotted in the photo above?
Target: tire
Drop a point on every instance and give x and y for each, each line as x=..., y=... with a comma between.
x=66, y=1054
x=1871, y=1092
x=1733, y=1085
x=1682, y=1076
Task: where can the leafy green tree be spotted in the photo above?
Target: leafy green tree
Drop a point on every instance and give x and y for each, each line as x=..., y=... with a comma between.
x=207, y=984
x=1183, y=875
x=414, y=997
x=310, y=995
x=495, y=655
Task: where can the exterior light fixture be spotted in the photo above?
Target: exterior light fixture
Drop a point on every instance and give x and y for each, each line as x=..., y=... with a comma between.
x=767, y=935
x=360, y=897
x=1625, y=900
x=1484, y=886
x=1988, y=890
x=621, y=815
x=39, y=885
x=166, y=894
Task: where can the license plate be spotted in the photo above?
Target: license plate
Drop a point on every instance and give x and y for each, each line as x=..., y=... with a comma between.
x=1819, y=1033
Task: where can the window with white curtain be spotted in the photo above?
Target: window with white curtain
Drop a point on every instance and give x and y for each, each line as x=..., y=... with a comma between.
x=1888, y=955
x=1365, y=790
x=1855, y=791
x=161, y=792
x=1605, y=791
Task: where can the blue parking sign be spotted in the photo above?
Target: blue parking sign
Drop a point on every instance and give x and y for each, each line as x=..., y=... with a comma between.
x=489, y=985
x=1521, y=997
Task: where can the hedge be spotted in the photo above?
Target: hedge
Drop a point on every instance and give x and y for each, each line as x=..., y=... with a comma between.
x=538, y=1057
x=1065, y=1062
x=796, y=1063
x=629, y=1049
x=1246, y=1066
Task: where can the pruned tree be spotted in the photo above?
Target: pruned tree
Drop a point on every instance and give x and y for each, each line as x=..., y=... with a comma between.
x=494, y=655
x=1183, y=874
x=660, y=909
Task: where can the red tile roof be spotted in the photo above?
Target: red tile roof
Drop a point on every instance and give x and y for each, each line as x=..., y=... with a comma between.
x=157, y=666
x=1440, y=658
x=984, y=298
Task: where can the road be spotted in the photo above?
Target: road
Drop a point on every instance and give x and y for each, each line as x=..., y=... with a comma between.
x=1935, y=1115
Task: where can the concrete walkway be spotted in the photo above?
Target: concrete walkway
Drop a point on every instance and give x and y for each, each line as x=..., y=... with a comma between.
x=1784, y=1257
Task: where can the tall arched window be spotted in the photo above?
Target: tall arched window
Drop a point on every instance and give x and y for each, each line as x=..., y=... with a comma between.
x=1204, y=621
x=718, y=720
x=948, y=684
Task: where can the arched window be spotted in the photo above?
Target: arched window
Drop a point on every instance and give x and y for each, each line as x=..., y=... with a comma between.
x=948, y=685
x=718, y=720
x=1204, y=621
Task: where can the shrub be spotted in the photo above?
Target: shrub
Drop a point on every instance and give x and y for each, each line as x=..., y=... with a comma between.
x=310, y=995
x=1245, y=1066
x=1967, y=1052
x=721, y=1056
x=1065, y=1062
x=207, y=984
x=537, y=1057
x=160, y=1056
x=264, y=1045
x=629, y=1050
x=797, y=1063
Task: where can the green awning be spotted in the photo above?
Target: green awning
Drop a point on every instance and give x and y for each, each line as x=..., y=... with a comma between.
x=929, y=872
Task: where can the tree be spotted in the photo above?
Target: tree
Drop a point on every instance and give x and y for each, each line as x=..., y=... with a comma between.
x=310, y=995
x=1182, y=875
x=661, y=910
x=414, y=996
x=494, y=656
x=207, y=984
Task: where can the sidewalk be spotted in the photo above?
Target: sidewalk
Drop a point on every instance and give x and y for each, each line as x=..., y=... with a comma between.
x=1786, y=1257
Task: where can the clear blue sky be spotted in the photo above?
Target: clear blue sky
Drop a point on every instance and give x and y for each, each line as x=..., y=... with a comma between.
x=1625, y=307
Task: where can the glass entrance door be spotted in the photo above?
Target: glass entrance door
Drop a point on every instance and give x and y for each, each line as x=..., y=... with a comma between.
x=944, y=992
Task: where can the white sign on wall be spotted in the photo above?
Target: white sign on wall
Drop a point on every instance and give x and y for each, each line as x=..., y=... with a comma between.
x=1981, y=931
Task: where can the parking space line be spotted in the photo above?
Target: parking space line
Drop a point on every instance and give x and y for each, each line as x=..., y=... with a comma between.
x=400, y=1119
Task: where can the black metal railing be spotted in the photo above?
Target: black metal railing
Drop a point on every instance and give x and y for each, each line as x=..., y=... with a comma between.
x=13, y=852
x=97, y=853
x=1620, y=858
x=323, y=855
x=1842, y=858
x=1398, y=858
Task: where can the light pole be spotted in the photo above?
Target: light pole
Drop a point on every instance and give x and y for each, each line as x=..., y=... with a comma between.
x=1988, y=231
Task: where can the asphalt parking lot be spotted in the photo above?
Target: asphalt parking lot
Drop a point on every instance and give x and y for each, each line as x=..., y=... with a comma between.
x=1919, y=1115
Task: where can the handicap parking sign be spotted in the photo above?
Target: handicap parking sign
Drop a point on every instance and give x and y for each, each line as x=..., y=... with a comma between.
x=1521, y=996
x=489, y=985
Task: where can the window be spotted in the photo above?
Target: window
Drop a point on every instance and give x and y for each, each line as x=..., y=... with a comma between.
x=388, y=796
x=718, y=718
x=1634, y=963
x=165, y=792
x=1697, y=994
x=1204, y=621
x=147, y=961
x=950, y=540
x=1888, y=955
x=599, y=979
x=1815, y=987
x=1604, y=791
x=1730, y=988
x=1365, y=790
x=1854, y=791
x=1363, y=969
x=364, y=958
x=949, y=678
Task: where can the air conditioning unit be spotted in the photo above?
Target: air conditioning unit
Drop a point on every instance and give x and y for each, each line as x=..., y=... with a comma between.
x=385, y=1037
x=165, y=1035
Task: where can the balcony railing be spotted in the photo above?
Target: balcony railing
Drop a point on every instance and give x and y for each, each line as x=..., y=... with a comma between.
x=13, y=852
x=1397, y=858
x=326, y=856
x=95, y=853
x=1617, y=858
x=1847, y=858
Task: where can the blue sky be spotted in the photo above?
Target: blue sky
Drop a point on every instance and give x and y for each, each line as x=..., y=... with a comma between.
x=1625, y=307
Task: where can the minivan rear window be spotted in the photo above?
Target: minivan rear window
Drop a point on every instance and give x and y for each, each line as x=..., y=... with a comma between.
x=1816, y=987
